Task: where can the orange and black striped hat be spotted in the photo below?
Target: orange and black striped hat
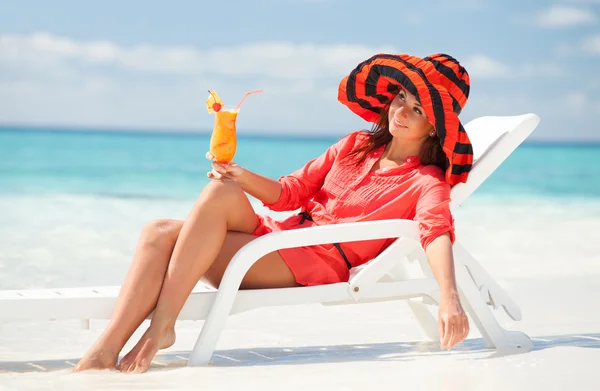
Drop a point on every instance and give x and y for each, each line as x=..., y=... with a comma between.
x=438, y=82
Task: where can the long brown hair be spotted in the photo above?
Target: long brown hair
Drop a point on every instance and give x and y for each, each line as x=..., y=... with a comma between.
x=379, y=135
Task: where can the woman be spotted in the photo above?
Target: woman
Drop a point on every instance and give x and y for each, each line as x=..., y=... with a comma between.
x=403, y=168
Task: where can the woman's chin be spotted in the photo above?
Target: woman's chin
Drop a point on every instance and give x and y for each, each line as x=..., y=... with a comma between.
x=397, y=130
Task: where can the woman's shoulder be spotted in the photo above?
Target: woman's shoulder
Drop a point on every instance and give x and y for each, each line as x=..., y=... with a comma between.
x=432, y=175
x=353, y=139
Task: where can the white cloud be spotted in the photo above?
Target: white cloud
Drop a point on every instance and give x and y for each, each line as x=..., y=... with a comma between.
x=469, y=3
x=581, y=103
x=49, y=79
x=576, y=101
x=272, y=59
x=482, y=102
x=413, y=18
x=543, y=69
x=574, y=111
x=484, y=67
x=591, y=44
x=588, y=46
x=560, y=16
x=583, y=1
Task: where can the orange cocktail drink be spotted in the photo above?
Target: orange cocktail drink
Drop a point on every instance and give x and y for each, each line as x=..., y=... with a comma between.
x=223, y=141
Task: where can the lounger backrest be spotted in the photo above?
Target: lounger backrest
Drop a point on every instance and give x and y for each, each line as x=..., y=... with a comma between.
x=493, y=139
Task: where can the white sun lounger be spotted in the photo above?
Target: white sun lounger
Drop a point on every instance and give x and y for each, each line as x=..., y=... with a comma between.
x=401, y=272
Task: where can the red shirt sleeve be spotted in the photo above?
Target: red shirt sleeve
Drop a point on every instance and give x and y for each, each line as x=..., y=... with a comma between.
x=301, y=185
x=433, y=212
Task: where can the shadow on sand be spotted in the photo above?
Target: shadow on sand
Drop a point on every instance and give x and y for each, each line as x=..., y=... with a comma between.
x=391, y=351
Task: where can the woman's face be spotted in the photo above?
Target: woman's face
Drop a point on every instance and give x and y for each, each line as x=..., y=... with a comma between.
x=407, y=118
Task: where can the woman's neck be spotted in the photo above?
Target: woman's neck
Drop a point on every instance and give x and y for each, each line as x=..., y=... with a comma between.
x=398, y=151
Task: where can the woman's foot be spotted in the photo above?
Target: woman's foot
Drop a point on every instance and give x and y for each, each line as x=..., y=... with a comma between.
x=97, y=357
x=138, y=360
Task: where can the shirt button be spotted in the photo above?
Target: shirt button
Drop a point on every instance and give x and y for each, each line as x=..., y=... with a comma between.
x=408, y=160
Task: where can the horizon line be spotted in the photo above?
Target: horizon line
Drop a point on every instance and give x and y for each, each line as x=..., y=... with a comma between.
x=329, y=134
x=166, y=131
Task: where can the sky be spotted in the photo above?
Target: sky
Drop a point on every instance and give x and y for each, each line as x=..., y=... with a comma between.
x=149, y=64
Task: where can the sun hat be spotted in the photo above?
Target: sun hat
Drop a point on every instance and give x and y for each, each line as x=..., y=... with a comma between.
x=440, y=84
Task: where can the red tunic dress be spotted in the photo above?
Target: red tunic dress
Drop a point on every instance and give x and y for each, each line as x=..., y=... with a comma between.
x=333, y=192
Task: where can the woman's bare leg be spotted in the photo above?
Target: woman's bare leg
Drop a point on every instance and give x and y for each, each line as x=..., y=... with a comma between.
x=138, y=294
x=221, y=207
x=270, y=271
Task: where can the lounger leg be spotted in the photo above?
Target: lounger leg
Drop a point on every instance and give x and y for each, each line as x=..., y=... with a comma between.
x=213, y=326
x=427, y=321
x=489, y=289
x=422, y=312
x=494, y=335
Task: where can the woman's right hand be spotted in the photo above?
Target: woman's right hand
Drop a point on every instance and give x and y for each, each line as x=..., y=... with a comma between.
x=221, y=171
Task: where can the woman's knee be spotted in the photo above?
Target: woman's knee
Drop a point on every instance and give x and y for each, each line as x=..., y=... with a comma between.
x=223, y=191
x=229, y=199
x=161, y=233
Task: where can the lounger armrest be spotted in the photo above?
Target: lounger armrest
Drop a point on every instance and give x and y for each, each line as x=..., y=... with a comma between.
x=340, y=233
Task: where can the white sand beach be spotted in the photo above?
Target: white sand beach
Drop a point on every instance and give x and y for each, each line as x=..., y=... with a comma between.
x=105, y=125
x=545, y=257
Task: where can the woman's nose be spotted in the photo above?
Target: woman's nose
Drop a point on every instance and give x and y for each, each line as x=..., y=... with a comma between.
x=400, y=110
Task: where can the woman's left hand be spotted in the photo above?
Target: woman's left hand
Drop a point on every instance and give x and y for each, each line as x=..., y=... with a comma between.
x=221, y=171
x=453, y=323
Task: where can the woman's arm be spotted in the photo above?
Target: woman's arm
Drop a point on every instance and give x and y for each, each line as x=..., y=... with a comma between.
x=453, y=324
x=290, y=191
x=441, y=259
x=261, y=187
x=436, y=225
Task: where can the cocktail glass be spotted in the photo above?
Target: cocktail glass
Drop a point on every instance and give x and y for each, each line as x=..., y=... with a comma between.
x=223, y=141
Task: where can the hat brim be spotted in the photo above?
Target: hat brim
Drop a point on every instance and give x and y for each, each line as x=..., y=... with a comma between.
x=371, y=86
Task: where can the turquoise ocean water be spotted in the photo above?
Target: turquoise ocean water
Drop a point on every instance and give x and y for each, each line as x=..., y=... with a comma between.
x=72, y=203
x=151, y=165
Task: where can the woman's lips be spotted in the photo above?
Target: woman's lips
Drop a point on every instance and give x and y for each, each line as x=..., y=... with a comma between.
x=399, y=124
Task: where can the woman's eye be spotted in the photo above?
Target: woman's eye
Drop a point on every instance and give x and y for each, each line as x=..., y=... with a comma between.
x=417, y=111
